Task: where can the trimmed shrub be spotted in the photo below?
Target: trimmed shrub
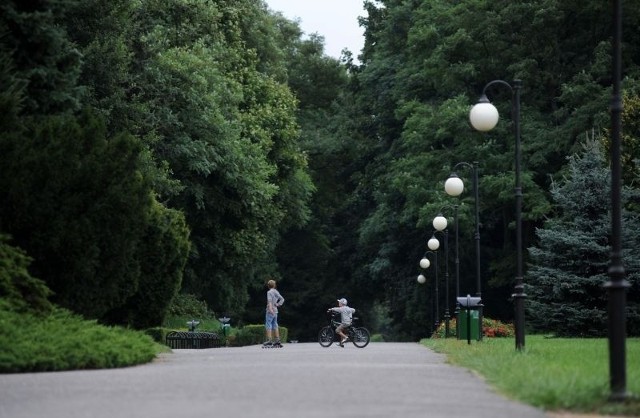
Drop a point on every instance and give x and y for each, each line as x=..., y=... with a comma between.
x=495, y=328
x=65, y=341
x=255, y=334
x=491, y=328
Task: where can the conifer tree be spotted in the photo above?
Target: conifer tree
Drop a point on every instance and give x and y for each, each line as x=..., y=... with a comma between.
x=570, y=263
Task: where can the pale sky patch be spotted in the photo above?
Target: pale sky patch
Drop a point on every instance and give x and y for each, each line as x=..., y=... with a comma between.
x=336, y=20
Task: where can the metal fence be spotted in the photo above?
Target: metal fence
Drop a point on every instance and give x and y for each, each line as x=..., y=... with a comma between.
x=192, y=339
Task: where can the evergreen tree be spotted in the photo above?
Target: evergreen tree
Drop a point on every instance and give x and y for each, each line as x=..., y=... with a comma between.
x=163, y=254
x=42, y=53
x=19, y=291
x=78, y=203
x=569, y=265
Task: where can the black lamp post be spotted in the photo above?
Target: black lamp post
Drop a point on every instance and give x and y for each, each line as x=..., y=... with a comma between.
x=484, y=117
x=457, y=263
x=617, y=285
x=454, y=186
x=433, y=244
x=440, y=224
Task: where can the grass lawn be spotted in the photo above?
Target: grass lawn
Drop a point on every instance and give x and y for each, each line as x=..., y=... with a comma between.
x=555, y=374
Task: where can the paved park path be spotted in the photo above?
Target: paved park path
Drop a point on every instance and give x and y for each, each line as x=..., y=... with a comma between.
x=388, y=380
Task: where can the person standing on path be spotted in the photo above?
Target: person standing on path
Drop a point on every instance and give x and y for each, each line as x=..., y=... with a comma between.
x=274, y=300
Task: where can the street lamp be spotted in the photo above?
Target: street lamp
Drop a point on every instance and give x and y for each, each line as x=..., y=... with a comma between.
x=617, y=285
x=484, y=117
x=440, y=224
x=454, y=186
x=433, y=245
x=425, y=264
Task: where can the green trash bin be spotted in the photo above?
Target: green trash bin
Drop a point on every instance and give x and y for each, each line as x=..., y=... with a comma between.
x=464, y=320
x=468, y=321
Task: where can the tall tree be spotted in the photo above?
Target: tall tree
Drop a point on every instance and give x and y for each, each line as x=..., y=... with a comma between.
x=224, y=127
x=42, y=54
x=78, y=204
x=569, y=265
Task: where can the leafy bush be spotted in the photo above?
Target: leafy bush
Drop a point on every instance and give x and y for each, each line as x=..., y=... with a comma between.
x=439, y=332
x=187, y=305
x=490, y=328
x=495, y=328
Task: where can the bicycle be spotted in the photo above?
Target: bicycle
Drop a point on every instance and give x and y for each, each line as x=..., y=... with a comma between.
x=359, y=336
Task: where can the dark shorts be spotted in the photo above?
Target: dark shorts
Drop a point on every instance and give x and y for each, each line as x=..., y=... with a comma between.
x=342, y=327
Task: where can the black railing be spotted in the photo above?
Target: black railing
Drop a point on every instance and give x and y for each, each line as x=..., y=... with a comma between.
x=193, y=340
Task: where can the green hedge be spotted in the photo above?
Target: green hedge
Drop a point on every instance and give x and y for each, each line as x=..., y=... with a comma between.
x=255, y=334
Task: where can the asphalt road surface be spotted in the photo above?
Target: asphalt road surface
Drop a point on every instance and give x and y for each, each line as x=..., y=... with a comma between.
x=297, y=381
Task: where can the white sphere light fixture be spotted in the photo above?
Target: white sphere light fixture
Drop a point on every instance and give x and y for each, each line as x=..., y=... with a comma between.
x=433, y=244
x=440, y=223
x=422, y=279
x=484, y=116
x=454, y=186
x=425, y=263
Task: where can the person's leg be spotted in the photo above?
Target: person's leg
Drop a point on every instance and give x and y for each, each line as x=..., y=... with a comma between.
x=340, y=331
x=268, y=326
x=276, y=328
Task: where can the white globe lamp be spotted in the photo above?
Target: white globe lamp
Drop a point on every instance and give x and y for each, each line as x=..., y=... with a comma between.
x=454, y=186
x=425, y=263
x=484, y=116
x=440, y=223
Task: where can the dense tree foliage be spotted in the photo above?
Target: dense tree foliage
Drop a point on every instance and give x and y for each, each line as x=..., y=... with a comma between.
x=187, y=150
x=425, y=63
x=161, y=146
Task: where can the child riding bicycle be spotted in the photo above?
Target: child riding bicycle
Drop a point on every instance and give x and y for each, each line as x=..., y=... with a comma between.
x=346, y=317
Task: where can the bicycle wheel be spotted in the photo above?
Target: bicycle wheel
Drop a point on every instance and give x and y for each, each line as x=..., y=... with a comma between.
x=361, y=337
x=326, y=336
